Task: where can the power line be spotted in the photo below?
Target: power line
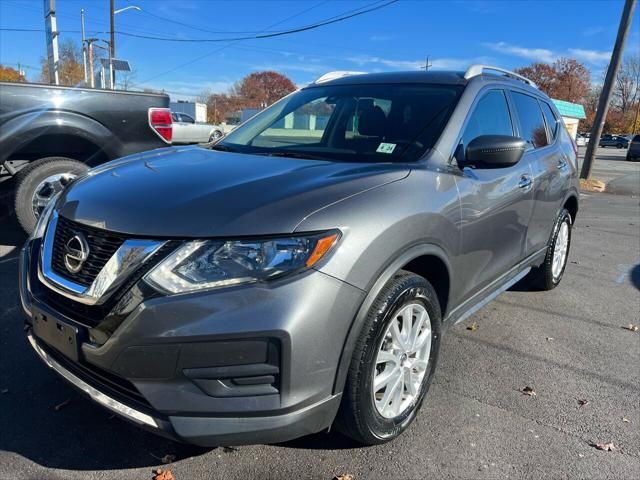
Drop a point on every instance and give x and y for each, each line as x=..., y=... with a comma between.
x=217, y=50
x=305, y=28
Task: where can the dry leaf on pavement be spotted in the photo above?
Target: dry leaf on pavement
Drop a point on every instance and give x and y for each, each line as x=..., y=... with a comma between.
x=631, y=327
x=582, y=403
x=625, y=420
x=344, y=476
x=607, y=447
x=60, y=406
x=473, y=327
x=529, y=391
x=163, y=475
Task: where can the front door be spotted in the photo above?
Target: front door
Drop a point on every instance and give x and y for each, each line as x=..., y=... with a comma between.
x=495, y=203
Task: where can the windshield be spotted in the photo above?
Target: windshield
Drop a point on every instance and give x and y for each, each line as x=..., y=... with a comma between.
x=353, y=123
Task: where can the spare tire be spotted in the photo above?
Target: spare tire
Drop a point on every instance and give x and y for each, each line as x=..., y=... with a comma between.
x=38, y=182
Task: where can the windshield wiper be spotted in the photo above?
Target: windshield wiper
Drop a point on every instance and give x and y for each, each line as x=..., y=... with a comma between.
x=306, y=156
x=222, y=148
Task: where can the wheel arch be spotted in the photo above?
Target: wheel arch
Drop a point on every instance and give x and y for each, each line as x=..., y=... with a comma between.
x=571, y=204
x=427, y=260
x=37, y=135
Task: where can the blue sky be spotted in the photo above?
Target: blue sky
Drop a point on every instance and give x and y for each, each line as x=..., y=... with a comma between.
x=453, y=34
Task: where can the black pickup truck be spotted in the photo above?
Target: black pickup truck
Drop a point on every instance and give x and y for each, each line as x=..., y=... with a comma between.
x=50, y=134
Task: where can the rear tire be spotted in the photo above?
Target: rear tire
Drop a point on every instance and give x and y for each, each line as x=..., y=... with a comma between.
x=372, y=415
x=40, y=180
x=548, y=275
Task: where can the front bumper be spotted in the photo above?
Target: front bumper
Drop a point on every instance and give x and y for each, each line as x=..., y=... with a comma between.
x=253, y=364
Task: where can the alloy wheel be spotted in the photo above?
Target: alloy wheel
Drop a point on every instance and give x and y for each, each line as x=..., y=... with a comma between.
x=47, y=189
x=402, y=360
x=560, y=250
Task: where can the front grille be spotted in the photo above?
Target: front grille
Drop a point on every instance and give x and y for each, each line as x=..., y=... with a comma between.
x=102, y=246
x=92, y=315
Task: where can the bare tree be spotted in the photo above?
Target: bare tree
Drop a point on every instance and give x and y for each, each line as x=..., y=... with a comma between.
x=626, y=91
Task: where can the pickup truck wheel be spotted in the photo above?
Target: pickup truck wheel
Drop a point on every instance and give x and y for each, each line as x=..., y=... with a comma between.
x=393, y=361
x=38, y=182
x=548, y=275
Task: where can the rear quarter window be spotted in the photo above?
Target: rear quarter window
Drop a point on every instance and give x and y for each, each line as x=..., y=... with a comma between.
x=552, y=121
x=532, y=127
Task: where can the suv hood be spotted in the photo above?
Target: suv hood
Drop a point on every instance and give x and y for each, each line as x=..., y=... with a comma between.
x=193, y=192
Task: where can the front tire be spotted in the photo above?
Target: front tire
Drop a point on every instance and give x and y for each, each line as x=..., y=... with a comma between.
x=548, y=275
x=38, y=182
x=393, y=362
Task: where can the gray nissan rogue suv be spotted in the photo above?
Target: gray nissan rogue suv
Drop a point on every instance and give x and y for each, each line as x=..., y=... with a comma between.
x=303, y=270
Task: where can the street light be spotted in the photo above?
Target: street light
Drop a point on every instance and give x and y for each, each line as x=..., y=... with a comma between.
x=127, y=8
x=112, y=44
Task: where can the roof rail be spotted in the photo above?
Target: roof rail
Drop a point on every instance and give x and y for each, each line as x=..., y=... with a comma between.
x=337, y=74
x=475, y=70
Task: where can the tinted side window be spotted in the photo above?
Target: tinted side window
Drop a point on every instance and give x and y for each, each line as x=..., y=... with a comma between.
x=552, y=121
x=531, y=123
x=490, y=117
x=186, y=118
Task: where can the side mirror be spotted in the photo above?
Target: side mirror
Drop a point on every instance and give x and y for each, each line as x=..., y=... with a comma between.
x=494, y=151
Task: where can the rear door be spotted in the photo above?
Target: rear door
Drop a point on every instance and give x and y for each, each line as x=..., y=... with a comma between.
x=550, y=164
x=495, y=203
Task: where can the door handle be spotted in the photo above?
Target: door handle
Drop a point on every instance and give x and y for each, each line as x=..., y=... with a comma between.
x=562, y=164
x=525, y=181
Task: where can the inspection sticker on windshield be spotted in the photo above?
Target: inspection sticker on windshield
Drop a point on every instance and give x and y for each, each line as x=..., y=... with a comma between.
x=386, y=147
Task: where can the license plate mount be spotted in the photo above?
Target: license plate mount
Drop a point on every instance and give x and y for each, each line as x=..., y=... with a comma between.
x=57, y=334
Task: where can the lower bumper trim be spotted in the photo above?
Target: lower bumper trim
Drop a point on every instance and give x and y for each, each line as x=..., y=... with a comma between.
x=96, y=395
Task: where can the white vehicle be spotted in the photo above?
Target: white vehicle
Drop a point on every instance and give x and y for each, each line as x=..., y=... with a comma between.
x=187, y=130
x=581, y=140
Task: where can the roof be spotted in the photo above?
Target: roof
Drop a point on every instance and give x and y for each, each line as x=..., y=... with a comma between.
x=571, y=110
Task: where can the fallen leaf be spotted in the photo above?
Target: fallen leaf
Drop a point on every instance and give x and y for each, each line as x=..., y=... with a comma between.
x=529, y=391
x=344, y=476
x=625, y=420
x=607, y=447
x=582, y=403
x=163, y=475
x=631, y=327
x=473, y=327
x=60, y=406
x=549, y=339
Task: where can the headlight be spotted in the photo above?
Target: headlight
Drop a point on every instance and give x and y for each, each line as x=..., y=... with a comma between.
x=43, y=219
x=203, y=264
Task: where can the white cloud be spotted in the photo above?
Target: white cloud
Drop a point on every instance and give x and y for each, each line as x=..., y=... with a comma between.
x=538, y=54
x=589, y=32
x=593, y=57
x=436, y=63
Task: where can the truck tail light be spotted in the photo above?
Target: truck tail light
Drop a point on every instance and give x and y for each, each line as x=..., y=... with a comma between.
x=161, y=123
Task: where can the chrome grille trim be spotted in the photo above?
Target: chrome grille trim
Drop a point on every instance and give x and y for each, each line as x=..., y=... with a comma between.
x=130, y=256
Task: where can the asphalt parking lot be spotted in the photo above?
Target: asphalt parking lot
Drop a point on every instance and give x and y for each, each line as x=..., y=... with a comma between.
x=568, y=345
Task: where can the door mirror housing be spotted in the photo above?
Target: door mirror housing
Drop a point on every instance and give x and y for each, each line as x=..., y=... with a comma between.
x=494, y=151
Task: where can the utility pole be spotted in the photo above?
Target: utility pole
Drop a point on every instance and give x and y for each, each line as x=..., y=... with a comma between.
x=84, y=47
x=92, y=81
x=427, y=64
x=112, y=42
x=607, y=88
x=51, y=32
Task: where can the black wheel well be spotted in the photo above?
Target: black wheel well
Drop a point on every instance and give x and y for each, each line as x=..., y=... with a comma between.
x=435, y=271
x=572, y=206
x=57, y=145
